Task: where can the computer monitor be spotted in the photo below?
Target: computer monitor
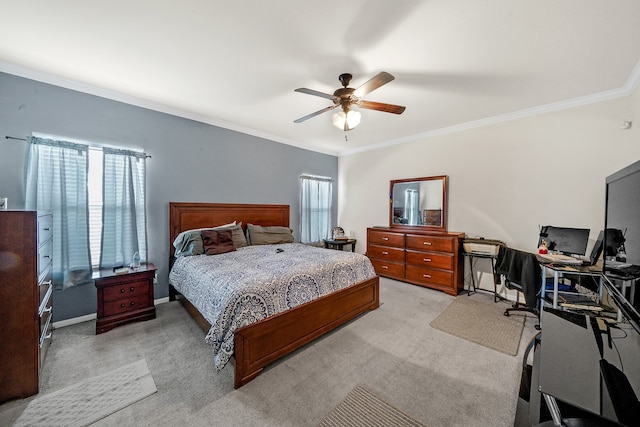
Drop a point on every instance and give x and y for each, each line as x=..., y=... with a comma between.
x=566, y=240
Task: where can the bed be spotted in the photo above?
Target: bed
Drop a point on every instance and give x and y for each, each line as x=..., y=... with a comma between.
x=256, y=345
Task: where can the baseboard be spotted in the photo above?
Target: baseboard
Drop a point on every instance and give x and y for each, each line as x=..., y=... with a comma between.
x=92, y=316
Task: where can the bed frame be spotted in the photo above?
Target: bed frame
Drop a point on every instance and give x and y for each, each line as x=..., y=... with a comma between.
x=262, y=343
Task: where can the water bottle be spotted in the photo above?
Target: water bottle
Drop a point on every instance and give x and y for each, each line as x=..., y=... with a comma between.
x=136, y=261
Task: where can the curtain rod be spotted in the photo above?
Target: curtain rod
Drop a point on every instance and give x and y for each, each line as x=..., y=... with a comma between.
x=24, y=139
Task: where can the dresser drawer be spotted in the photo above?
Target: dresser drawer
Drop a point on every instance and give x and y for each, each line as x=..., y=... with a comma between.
x=427, y=275
x=385, y=253
x=44, y=291
x=45, y=253
x=45, y=320
x=386, y=238
x=430, y=259
x=45, y=228
x=126, y=304
x=126, y=290
x=430, y=243
x=386, y=268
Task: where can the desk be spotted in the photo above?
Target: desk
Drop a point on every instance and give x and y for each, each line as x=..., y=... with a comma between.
x=339, y=244
x=492, y=258
x=560, y=270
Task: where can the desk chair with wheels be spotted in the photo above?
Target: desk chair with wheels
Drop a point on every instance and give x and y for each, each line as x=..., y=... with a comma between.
x=521, y=272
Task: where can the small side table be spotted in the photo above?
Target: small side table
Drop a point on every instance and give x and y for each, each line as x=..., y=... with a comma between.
x=124, y=297
x=340, y=244
x=473, y=288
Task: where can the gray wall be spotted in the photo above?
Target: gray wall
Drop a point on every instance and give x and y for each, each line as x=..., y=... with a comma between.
x=191, y=162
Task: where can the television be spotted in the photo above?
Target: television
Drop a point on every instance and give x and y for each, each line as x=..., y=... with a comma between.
x=622, y=225
x=565, y=240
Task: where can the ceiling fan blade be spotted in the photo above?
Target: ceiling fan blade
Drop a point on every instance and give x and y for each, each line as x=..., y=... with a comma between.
x=316, y=93
x=387, y=108
x=317, y=113
x=382, y=78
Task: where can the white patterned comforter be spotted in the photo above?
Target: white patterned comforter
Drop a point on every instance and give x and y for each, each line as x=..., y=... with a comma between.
x=238, y=288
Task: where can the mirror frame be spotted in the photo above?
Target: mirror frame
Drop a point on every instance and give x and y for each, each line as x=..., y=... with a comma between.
x=409, y=228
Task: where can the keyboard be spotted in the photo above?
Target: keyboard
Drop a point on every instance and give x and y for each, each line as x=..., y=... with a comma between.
x=629, y=270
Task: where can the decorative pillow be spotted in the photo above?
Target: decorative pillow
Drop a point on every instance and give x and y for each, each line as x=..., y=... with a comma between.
x=217, y=241
x=273, y=235
x=237, y=235
x=189, y=242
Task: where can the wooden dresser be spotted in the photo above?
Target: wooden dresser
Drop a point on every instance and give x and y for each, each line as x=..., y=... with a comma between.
x=124, y=298
x=424, y=258
x=26, y=248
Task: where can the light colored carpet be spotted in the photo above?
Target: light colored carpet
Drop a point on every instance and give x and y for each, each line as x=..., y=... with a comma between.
x=481, y=323
x=91, y=400
x=361, y=408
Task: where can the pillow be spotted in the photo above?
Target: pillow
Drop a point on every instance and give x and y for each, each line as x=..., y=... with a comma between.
x=217, y=242
x=237, y=235
x=259, y=235
x=189, y=242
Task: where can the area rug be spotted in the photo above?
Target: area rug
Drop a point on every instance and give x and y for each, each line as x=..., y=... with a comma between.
x=91, y=400
x=361, y=408
x=481, y=323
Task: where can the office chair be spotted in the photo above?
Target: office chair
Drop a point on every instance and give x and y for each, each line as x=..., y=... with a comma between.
x=521, y=272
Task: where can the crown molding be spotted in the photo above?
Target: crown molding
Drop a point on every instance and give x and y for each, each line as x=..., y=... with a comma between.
x=150, y=105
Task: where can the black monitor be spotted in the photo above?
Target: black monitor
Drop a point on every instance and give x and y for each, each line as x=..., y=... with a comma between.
x=622, y=225
x=566, y=240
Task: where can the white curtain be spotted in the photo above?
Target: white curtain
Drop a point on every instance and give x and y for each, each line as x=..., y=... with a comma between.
x=124, y=229
x=315, y=208
x=56, y=181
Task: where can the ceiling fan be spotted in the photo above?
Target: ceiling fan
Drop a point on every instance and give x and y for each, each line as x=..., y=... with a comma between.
x=347, y=97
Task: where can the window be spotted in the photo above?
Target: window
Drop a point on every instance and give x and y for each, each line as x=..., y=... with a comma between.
x=96, y=195
x=315, y=208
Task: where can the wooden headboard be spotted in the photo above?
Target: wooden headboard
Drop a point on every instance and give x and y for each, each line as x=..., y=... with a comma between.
x=187, y=216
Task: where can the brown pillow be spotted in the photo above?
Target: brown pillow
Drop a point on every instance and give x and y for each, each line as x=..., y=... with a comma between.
x=269, y=235
x=217, y=242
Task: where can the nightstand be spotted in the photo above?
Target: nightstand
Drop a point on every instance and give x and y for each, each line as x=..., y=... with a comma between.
x=124, y=297
x=339, y=244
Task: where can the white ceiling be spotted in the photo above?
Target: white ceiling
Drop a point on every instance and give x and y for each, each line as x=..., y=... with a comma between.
x=236, y=64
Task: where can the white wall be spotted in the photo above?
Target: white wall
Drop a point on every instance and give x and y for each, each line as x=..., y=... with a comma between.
x=504, y=179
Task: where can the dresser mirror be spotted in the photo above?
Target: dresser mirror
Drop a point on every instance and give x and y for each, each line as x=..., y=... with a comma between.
x=419, y=202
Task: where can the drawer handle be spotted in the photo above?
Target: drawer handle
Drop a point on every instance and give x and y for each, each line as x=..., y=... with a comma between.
x=384, y=267
x=385, y=253
x=47, y=256
x=385, y=238
x=426, y=276
x=122, y=305
x=48, y=282
x=47, y=229
x=132, y=303
x=132, y=289
x=426, y=259
x=122, y=291
x=46, y=310
x=426, y=243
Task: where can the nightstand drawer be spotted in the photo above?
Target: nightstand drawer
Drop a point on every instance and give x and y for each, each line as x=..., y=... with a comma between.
x=124, y=305
x=126, y=290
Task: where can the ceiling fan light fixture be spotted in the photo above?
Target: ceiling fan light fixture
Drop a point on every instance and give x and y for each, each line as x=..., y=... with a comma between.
x=352, y=119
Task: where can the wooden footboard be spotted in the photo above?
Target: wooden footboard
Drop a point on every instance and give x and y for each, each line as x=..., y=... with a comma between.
x=262, y=343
